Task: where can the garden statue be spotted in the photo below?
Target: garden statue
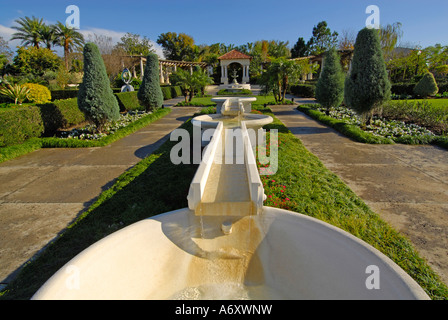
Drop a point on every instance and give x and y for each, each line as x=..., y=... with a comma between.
x=126, y=76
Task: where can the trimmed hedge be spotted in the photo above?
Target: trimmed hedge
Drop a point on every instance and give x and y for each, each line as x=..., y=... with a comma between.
x=128, y=101
x=304, y=90
x=20, y=124
x=166, y=91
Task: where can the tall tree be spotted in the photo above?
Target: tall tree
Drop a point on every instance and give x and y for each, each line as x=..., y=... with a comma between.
x=300, y=49
x=29, y=31
x=48, y=36
x=134, y=45
x=150, y=94
x=279, y=75
x=367, y=87
x=176, y=46
x=69, y=39
x=95, y=96
x=330, y=86
x=389, y=37
x=322, y=39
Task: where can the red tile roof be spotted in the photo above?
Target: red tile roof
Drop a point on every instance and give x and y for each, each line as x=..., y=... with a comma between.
x=234, y=54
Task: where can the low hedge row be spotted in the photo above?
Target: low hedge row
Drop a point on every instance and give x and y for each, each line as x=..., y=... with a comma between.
x=169, y=92
x=20, y=124
x=408, y=88
x=303, y=90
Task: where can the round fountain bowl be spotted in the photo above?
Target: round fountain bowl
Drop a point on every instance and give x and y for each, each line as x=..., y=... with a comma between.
x=275, y=255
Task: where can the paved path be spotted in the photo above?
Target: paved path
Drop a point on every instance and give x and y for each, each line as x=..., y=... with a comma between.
x=43, y=191
x=406, y=185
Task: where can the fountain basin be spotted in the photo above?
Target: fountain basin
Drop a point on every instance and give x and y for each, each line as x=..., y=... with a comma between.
x=277, y=254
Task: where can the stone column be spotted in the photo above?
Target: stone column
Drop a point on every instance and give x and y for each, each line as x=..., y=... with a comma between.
x=162, y=80
x=142, y=70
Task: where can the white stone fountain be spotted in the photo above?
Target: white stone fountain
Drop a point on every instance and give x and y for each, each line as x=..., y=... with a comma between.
x=227, y=245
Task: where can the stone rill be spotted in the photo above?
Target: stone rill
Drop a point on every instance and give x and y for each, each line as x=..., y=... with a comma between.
x=227, y=245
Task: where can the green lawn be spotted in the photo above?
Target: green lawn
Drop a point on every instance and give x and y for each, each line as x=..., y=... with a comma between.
x=155, y=186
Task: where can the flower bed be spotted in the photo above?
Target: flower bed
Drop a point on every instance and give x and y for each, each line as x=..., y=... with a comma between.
x=391, y=129
x=90, y=131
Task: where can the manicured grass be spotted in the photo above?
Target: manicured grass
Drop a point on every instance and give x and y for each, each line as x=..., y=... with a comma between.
x=8, y=153
x=301, y=184
x=207, y=101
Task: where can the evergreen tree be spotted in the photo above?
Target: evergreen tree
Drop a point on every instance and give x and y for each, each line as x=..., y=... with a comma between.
x=150, y=94
x=427, y=86
x=367, y=86
x=330, y=86
x=95, y=96
x=300, y=49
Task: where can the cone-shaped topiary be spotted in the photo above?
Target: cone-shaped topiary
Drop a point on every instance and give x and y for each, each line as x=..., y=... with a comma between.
x=95, y=96
x=427, y=86
x=150, y=94
x=330, y=86
x=367, y=86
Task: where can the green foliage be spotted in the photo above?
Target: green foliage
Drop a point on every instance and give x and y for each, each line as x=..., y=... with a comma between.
x=427, y=86
x=350, y=130
x=19, y=124
x=177, y=46
x=300, y=49
x=225, y=92
x=29, y=31
x=150, y=94
x=128, y=101
x=95, y=97
x=330, y=86
x=280, y=73
x=367, y=86
x=35, y=61
x=191, y=82
x=133, y=45
x=304, y=90
x=176, y=91
x=38, y=93
x=16, y=92
x=166, y=91
x=322, y=40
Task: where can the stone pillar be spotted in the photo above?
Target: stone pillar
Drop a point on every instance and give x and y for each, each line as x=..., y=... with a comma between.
x=162, y=80
x=246, y=74
x=191, y=69
x=142, y=70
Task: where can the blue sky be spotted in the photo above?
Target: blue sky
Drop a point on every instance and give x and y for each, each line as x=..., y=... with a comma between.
x=236, y=21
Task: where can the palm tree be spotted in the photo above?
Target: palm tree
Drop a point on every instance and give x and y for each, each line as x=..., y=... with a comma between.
x=29, y=31
x=48, y=36
x=69, y=39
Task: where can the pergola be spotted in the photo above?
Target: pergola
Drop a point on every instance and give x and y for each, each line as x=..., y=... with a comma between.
x=166, y=67
x=346, y=55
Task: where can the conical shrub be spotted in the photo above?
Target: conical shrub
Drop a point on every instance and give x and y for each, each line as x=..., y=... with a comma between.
x=150, y=94
x=95, y=96
x=367, y=86
x=427, y=86
x=330, y=86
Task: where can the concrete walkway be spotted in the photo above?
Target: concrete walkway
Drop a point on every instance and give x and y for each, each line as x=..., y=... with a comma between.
x=406, y=185
x=44, y=191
